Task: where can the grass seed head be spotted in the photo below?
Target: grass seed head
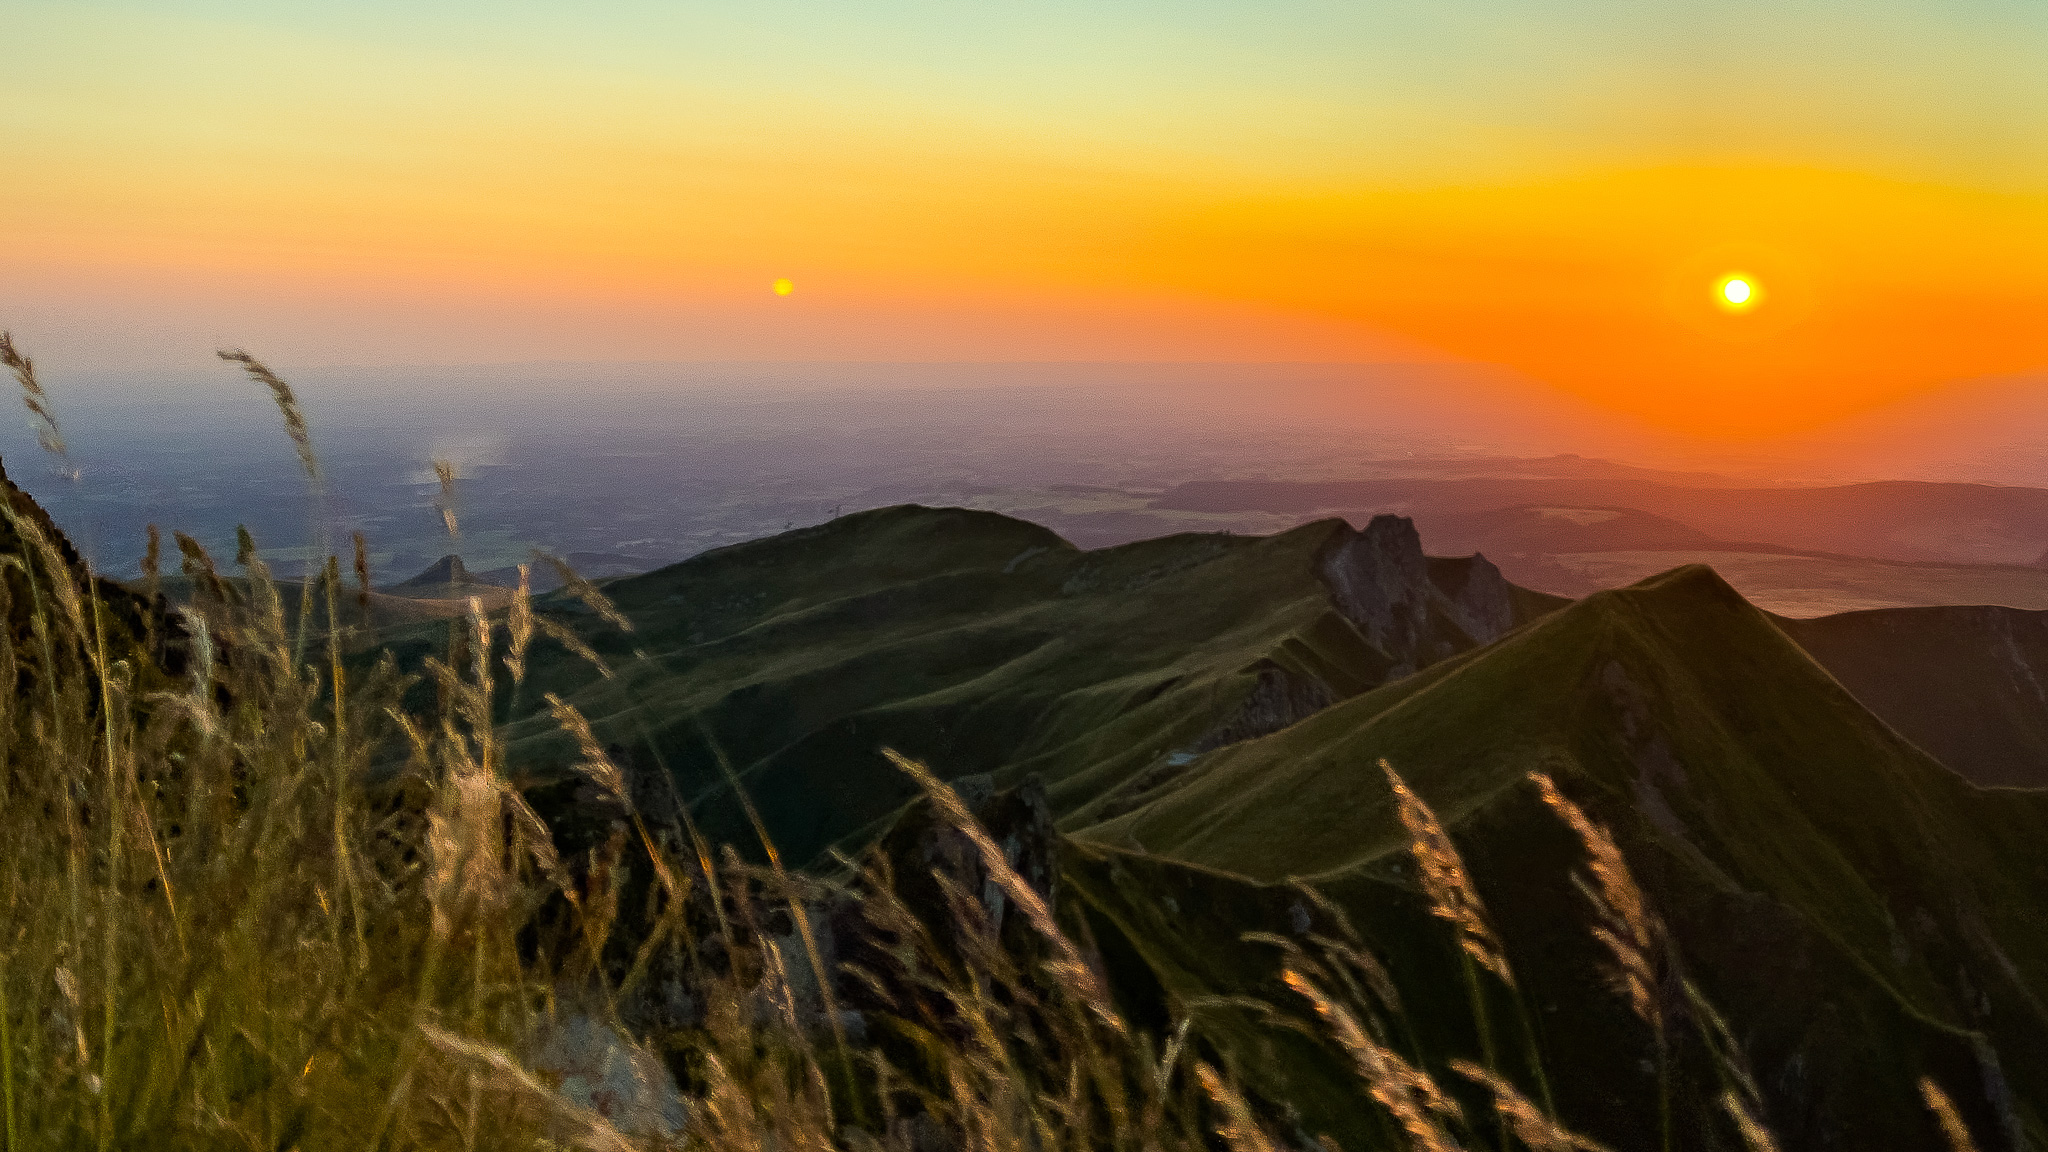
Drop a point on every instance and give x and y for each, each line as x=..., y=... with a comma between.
x=1067, y=964
x=1631, y=934
x=445, y=472
x=152, y=559
x=48, y=435
x=1444, y=880
x=595, y=765
x=562, y=635
x=1239, y=1129
x=1536, y=1131
x=587, y=592
x=362, y=563
x=1406, y=1092
x=1755, y=1137
x=287, y=406
x=1952, y=1128
x=519, y=625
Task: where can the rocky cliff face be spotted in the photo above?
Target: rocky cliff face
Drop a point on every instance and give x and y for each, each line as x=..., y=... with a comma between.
x=1474, y=595
x=1280, y=698
x=1413, y=609
x=1379, y=580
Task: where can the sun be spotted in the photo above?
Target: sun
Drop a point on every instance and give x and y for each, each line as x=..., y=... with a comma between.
x=1737, y=293
x=783, y=287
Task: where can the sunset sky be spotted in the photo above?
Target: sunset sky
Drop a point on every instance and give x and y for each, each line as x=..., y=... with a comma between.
x=1556, y=189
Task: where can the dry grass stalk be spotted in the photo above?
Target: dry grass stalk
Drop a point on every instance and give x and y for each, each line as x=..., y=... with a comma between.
x=1722, y=1044
x=1627, y=927
x=465, y=832
x=593, y=1132
x=1406, y=1092
x=62, y=581
x=595, y=764
x=1067, y=965
x=602, y=771
x=32, y=395
x=1445, y=881
x=1952, y=1128
x=152, y=561
x=445, y=472
x=574, y=643
x=287, y=405
x=587, y=592
x=1351, y=949
x=1239, y=1128
x=519, y=624
x=362, y=566
x=1536, y=1131
x=1755, y=1136
x=206, y=580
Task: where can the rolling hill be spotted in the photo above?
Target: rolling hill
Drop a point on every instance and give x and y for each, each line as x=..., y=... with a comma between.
x=1968, y=684
x=989, y=645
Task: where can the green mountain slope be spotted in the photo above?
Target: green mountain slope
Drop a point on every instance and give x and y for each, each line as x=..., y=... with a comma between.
x=1968, y=684
x=1206, y=713
x=1862, y=914
x=987, y=645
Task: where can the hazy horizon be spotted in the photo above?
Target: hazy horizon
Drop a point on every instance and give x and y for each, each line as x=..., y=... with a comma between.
x=1990, y=430
x=636, y=466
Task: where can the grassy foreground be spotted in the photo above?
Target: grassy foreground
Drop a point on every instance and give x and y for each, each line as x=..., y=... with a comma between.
x=265, y=892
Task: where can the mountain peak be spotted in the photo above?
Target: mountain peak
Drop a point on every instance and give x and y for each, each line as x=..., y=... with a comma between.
x=447, y=570
x=1695, y=583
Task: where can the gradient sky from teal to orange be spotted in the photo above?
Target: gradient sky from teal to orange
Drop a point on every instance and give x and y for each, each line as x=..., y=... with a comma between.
x=1553, y=188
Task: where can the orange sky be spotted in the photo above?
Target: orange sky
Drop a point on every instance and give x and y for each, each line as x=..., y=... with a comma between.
x=1557, y=194
x=1871, y=290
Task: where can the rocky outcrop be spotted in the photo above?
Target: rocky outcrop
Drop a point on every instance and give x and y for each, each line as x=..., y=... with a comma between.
x=931, y=875
x=1414, y=609
x=599, y=1070
x=1279, y=699
x=1476, y=597
x=1019, y=820
x=1379, y=580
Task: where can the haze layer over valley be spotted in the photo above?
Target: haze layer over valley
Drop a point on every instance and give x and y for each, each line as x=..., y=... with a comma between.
x=626, y=468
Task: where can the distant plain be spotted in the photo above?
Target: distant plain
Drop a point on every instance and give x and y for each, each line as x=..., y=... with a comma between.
x=624, y=469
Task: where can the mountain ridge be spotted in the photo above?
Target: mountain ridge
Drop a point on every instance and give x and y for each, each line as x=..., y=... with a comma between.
x=1903, y=520
x=1741, y=774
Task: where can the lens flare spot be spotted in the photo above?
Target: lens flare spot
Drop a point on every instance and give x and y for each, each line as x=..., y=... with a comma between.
x=783, y=287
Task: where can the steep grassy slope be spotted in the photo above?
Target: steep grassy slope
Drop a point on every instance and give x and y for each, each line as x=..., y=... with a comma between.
x=1968, y=684
x=1862, y=914
x=988, y=645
